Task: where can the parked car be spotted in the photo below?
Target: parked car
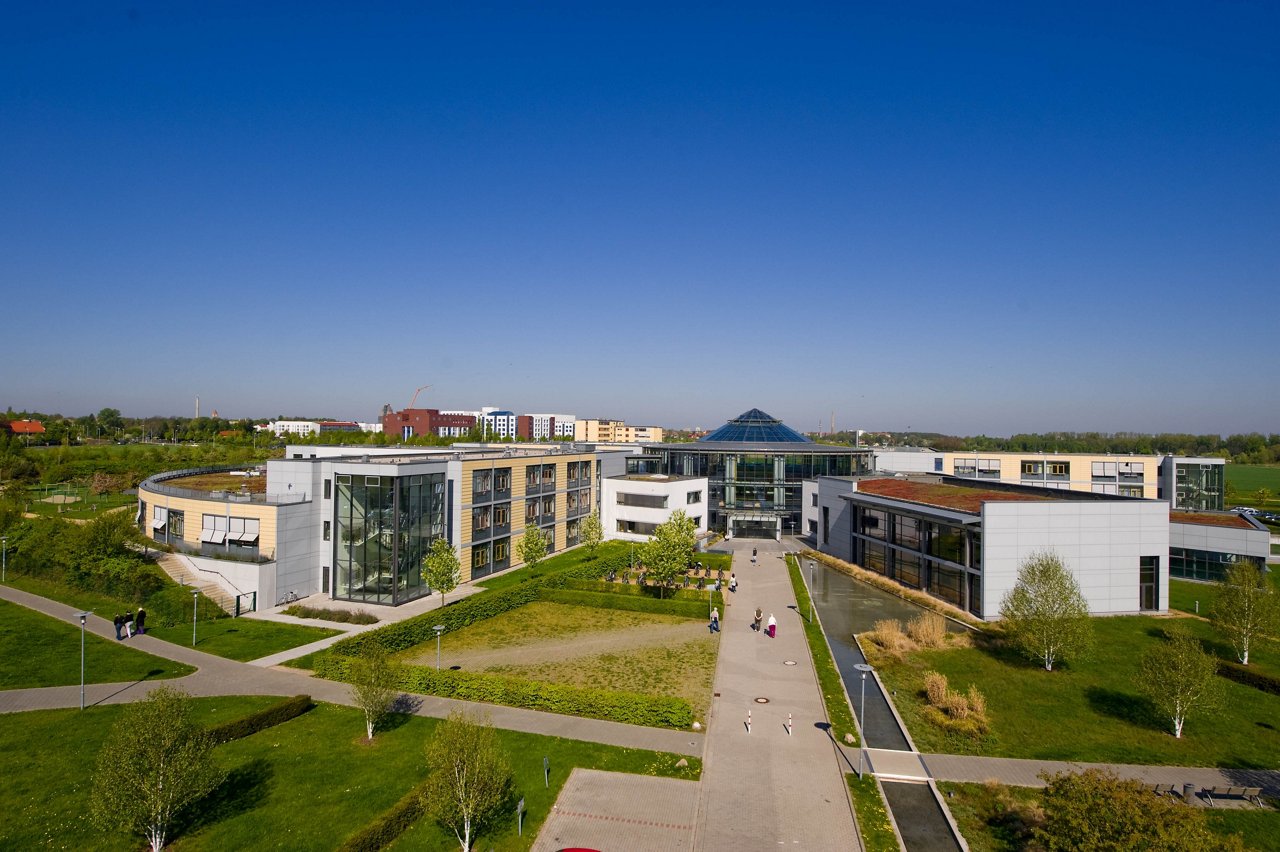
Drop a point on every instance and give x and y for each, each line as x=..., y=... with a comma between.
x=1244, y=510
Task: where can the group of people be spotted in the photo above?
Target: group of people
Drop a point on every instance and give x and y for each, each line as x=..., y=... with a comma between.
x=130, y=623
x=771, y=629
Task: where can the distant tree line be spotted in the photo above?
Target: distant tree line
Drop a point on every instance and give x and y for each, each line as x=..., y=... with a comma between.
x=1251, y=448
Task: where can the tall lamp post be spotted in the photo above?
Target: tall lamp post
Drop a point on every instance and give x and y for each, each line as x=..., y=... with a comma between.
x=4, y=557
x=863, y=669
x=82, y=616
x=195, y=608
x=439, y=629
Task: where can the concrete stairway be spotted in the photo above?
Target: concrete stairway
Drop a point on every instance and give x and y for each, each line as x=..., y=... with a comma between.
x=180, y=572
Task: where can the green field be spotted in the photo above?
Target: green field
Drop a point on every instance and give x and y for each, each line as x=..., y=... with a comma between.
x=43, y=651
x=242, y=639
x=1250, y=477
x=1089, y=710
x=1183, y=594
x=44, y=500
x=306, y=784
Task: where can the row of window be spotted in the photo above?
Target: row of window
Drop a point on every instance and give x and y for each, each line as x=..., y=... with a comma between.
x=1041, y=468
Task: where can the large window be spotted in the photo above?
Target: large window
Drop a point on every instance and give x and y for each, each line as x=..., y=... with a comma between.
x=1104, y=470
x=636, y=527
x=693, y=497
x=385, y=525
x=1203, y=564
x=1059, y=470
x=1032, y=469
x=906, y=568
x=875, y=523
x=645, y=501
x=481, y=484
x=1199, y=487
x=906, y=532
x=946, y=542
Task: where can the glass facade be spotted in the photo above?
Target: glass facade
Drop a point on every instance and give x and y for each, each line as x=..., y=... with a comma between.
x=1198, y=487
x=385, y=525
x=942, y=559
x=1204, y=564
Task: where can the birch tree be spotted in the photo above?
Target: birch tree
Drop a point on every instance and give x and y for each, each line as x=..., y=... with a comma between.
x=1247, y=607
x=469, y=780
x=1179, y=678
x=1045, y=615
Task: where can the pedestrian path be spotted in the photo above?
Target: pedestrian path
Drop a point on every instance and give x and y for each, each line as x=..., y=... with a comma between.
x=768, y=787
x=611, y=810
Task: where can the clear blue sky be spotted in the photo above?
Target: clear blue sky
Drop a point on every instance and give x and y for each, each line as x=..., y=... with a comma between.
x=961, y=217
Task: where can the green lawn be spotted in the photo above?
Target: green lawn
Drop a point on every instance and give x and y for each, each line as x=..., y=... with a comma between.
x=306, y=784
x=48, y=758
x=102, y=605
x=87, y=507
x=1090, y=710
x=43, y=651
x=242, y=639
x=873, y=817
x=1183, y=594
x=564, y=561
x=1248, y=478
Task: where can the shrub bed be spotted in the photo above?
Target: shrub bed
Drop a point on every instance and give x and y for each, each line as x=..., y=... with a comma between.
x=276, y=714
x=342, y=616
x=628, y=602
x=1249, y=677
x=388, y=825
x=629, y=708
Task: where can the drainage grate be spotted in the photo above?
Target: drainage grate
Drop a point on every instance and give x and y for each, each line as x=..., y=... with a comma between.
x=788, y=662
x=762, y=701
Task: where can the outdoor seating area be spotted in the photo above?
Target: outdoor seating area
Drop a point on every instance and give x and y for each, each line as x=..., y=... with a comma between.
x=1216, y=796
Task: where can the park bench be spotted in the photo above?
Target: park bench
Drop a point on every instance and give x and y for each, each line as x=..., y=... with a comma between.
x=1164, y=789
x=1249, y=794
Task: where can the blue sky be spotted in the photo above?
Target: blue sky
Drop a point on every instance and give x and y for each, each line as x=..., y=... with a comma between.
x=956, y=217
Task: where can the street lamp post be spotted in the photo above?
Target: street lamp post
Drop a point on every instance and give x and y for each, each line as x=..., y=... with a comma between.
x=862, y=714
x=439, y=629
x=195, y=607
x=4, y=557
x=83, y=616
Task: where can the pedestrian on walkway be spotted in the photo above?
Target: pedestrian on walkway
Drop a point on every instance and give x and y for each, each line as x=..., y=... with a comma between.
x=733, y=582
x=772, y=630
x=755, y=625
x=715, y=620
x=140, y=620
x=118, y=621
x=128, y=625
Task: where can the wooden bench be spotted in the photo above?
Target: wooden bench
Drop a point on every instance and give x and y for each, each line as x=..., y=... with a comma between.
x=1249, y=794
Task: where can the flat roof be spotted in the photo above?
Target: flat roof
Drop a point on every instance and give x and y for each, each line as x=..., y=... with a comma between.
x=1211, y=519
x=761, y=447
x=655, y=477
x=957, y=498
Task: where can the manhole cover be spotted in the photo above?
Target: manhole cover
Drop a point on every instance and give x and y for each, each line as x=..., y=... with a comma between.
x=762, y=701
x=788, y=662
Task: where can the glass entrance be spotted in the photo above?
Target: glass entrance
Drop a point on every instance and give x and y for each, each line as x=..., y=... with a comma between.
x=1149, y=582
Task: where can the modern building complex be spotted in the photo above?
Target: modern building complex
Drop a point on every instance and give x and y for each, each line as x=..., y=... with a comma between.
x=755, y=466
x=614, y=432
x=545, y=427
x=403, y=425
x=1203, y=545
x=633, y=506
x=1186, y=483
x=355, y=523
x=964, y=541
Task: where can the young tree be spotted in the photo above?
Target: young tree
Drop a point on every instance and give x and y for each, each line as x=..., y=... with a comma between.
x=667, y=553
x=1179, y=678
x=469, y=780
x=590, y=533
x=1248, y=606
x=1097, y=810
x=155, y=762
x=374, y=680
x=532, y=547
x=441, y=569
x=1045, y=615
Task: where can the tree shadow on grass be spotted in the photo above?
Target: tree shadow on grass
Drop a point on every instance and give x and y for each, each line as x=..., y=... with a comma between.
x=244, y=788
x=402, y=710
x=1133, y=709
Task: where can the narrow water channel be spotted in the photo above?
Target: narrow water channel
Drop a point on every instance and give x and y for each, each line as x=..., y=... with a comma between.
x=846, y=606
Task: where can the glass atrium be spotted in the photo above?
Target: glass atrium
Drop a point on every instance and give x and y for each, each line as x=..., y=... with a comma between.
x=385, y=526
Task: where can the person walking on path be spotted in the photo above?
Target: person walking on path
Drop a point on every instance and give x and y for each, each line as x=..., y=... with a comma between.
x=715, y=621
x=128, y=625
x=755, y=625
x=733, y=582
x=140, y=620
x=118, y=621
x=772, y=630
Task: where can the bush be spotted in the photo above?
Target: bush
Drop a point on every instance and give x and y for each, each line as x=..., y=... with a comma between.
x=935, y=688
x=629, y=708
x=276, y=714
x=929, y=630
x=628, y=602
x=342, y=616
x=952, y=710
x=1249, y=676
x=388, y=825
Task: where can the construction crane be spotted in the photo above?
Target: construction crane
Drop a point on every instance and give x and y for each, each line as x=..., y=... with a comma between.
x=415, y=395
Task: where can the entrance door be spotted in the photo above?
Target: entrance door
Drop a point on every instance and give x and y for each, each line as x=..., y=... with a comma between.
x=1149, y=582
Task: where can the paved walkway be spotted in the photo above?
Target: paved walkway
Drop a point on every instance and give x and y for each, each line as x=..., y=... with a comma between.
x=610, y=810
x=767, y=788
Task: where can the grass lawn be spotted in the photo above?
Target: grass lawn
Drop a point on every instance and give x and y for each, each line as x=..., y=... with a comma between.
x=43, y=651
x=683, y=671
x=554, y=564
x=1248, y=478
x=306, y=784
x=873, y=817
x=48, y=757
x=1183, y=594
x=102, y=605
x=242, y=639
x=89, y=506
x=1090, y=710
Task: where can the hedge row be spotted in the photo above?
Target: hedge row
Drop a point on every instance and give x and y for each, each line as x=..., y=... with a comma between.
x=645, y=591
x=276, y=714
x=1249, y=676
x=627, y=602
x=388, y=826
x=627, y=707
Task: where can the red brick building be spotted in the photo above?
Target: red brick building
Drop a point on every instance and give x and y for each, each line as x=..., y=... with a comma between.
x=402, y=425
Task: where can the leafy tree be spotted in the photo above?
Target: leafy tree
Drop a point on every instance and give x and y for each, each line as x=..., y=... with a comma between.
x=1179, y=678
x=1095, y=810
x=590, y=533
x=441, y=569
x=1263, y=496
x=155, y=763
x=470, y=780
x=374, y=689
x=1248, y=606
x=532, y=547
x=667, y=553
x=1045, y=615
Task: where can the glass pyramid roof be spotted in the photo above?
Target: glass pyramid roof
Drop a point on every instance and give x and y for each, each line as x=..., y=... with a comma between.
x=756, y=427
